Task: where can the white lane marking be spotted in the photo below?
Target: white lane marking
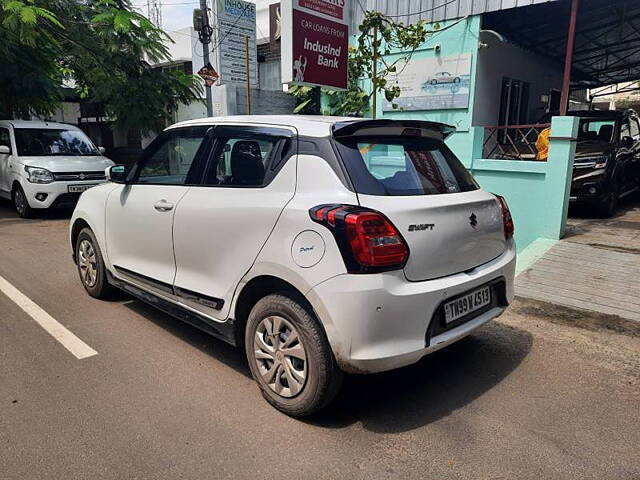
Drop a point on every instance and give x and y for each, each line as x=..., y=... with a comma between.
x=68, y=340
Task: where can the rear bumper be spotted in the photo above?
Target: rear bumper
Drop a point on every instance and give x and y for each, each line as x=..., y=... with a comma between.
x=380, y=322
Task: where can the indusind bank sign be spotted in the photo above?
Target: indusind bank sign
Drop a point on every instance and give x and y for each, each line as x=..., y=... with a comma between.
x=319, y=43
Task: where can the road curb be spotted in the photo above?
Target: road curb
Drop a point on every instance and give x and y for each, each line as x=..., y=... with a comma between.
x=575, y=317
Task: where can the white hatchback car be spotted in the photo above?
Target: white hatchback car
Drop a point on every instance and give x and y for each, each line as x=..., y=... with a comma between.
x=320, y=244
x=47, y=165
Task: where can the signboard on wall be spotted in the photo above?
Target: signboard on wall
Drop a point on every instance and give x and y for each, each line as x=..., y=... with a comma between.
x=434, y=83
x=315, y=43
x=275, y=25
x=236, y=19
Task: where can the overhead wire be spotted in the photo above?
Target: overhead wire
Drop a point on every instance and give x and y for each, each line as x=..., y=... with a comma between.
x=409, y=14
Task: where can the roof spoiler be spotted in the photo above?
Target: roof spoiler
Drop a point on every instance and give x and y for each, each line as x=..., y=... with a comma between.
x=416, y=128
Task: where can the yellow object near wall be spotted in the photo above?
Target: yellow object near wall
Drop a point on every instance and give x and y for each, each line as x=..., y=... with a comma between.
x=542, y=144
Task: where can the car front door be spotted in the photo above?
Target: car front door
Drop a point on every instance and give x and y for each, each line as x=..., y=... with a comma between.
x=626, y=164
x=634, y=133
x=5, y=181
x=140, y=214
x=221, y=225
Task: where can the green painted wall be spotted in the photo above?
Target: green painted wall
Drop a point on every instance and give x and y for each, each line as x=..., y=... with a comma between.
x=537, y=192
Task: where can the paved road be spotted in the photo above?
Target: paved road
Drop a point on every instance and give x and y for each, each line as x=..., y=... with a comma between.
x=522, y=398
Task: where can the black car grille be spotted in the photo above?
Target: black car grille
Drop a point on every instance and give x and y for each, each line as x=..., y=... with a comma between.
x=65, y=200
x=78, y=176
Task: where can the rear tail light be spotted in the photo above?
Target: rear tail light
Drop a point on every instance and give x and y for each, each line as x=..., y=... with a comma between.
x=507, y=220
x=367, y=240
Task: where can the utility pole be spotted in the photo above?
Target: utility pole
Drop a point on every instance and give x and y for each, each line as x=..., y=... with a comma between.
x=154, y=12
x=201, y=25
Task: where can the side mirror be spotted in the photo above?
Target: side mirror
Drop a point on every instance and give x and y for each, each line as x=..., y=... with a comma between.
x=102, y=149
x=5, y=150
x=116, y=174
x=626, y=142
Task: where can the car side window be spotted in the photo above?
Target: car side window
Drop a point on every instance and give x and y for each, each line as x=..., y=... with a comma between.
x=634, y=129
x=242, y=160
x=5, y=138
x=625, y=131
x=168, y=160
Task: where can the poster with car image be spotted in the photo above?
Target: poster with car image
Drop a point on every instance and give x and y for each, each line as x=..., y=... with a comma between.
x=434, y=83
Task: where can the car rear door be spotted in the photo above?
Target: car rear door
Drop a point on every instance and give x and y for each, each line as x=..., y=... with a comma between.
x=140, y=215
x=221, y=225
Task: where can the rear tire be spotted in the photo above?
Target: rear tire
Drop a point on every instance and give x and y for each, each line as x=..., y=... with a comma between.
x=297, y=384
x=21, y=204
x=91, y=267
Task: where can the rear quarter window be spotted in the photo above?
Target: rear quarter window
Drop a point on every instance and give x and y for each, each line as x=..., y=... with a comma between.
x=398, y=166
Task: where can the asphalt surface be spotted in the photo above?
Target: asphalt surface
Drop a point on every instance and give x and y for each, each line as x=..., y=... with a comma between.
x=521, y=398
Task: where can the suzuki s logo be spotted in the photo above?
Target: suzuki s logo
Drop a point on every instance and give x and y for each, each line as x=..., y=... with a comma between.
x=421, y=226
x=473, y=220
x=81, y=176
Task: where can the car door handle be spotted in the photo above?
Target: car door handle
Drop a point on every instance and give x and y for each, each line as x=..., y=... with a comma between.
x=163, y=206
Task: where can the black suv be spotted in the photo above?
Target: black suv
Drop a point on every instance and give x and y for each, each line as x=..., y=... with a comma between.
x=607, y=162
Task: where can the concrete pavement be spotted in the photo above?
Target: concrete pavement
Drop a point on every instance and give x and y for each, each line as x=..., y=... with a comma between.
x=593, y=271
x=522, y=398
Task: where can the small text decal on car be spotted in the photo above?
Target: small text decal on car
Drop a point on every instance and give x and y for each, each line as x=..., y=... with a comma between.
x=421, y=226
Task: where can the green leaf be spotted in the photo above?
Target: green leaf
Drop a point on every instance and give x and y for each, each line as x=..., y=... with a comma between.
x=28, y=15
x=102, y=17
x=302, y=105
x=121, y=22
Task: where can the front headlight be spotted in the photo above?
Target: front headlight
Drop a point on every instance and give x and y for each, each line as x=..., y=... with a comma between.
x=599, y=161
x=38, y=175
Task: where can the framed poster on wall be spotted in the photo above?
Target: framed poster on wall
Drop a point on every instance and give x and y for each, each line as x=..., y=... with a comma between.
x=434, y=83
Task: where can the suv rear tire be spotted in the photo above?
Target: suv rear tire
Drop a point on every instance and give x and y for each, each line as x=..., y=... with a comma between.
x=289, y=356
x=91, y=267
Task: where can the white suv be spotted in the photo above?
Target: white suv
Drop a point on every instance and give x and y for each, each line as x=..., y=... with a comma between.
x=46, y=165
x=322, y=245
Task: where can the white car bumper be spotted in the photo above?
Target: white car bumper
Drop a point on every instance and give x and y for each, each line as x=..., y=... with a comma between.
x=382, y=321
x=55, y=194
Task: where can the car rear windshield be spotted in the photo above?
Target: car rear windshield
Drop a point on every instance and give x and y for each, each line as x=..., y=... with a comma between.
x=38, y=142
x=394, y=166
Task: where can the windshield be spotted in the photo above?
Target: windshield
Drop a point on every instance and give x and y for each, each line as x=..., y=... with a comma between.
x=596, y=129
x=39, y=142
x=403, y=166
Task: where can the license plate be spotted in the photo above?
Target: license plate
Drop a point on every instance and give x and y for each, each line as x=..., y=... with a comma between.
x=80, y=188
x=467, y=304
